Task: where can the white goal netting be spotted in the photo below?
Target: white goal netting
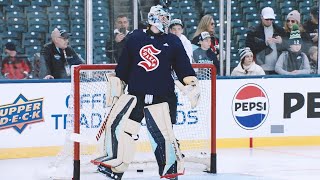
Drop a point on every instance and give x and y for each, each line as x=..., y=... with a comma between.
x=193, y=128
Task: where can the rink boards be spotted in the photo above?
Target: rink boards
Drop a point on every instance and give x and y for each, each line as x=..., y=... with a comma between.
x=256, y=112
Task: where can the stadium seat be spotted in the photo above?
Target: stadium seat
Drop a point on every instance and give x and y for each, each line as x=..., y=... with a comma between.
x=37, y=14
x=37, y=21
x=269, y=3
x=78, y=28
x=21, y=3
x=80, y=50
x=285, y=10
x=249, y=3
x=237, y=24
x=77, y=21
x=12, y=8
x=76, y=15
x=250, y=10
x=17, y=28
x=11, y=35
x=61, y=15
x=38, y=28
x=60, y=26
x=44, y=3
x=4, y=3
x=305, y=4
x=210, y=10
x=76, y=34
x=15, y=14
x=64, y=3
x=251, y=17
x=53, y=9
x=31, y=50
x=59, y=21
x=32, y=35
x=76, y=3
x=77, y=41
x=17, y=21
x=101, y=35
x=236, y=16
x=305, y=10
x=34, y=8
x=32, y=42
x=99, y=43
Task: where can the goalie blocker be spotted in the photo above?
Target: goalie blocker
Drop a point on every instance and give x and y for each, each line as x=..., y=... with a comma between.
x=122, y=130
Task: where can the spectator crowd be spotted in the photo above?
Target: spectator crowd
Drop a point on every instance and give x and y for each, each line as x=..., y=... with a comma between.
x=269, y=48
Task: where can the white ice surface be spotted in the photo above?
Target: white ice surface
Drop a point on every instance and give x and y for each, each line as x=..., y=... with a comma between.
x=277, y=163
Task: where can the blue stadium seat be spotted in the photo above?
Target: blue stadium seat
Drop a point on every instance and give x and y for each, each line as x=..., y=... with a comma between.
x=37, y=21
x=35, y=8
x=53, y=9
x=4, y=2
x=76, y=13
x=99, y=43
x=248, y=3
x=80, y=50
x=288, y=4
x=211, y=10
x=60, y=26
x=286, y=9
x=15, y=14
x=38, y=28
x=78, y=28
x=77, y=21
x=12, y=8
x=269, y=3
x=59, y=21
x=250, y=10
x=20, y=3
x=101, y=35
x=31, y=50
x=61, y=15
x=32, y=42
x=17, y=28
x=252, y=17
x=37, y=14
x=76, y=34
x=11, y=35
x=173, y=9
x=60, y=3
x=303, y=4
x=44, y=3
x=237, y=23
x=32, y=35
x=236, y=16
x=77, y=41
x=76, y=3
x=17, y=21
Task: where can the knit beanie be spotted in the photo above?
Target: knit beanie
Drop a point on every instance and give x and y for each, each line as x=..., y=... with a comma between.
x=244, y=52
x=295, y=15
x=10, y=46
x=295, y=37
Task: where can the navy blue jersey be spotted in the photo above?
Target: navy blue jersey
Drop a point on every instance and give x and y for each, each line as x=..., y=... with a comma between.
x=146, y=63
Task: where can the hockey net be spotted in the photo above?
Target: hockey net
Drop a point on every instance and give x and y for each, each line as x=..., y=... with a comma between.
x=195, y=128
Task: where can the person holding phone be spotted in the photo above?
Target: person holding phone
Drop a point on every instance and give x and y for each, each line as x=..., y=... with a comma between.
x=114, y=48
x=264, y=40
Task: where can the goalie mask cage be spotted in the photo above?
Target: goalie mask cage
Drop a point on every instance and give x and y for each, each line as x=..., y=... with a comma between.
x=195, y=128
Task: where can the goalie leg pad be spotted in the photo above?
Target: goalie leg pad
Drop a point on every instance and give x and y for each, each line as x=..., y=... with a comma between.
x=126, y=146
x=118, y=115
x=163, y=141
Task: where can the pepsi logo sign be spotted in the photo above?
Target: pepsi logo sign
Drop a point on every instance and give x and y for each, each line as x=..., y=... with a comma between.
x=250, y=106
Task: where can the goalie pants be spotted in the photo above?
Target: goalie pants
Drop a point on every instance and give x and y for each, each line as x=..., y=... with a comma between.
x=137, y=112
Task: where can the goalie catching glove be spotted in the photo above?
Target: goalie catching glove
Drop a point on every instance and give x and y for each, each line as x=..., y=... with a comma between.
x=115, y=88
x=191, y=90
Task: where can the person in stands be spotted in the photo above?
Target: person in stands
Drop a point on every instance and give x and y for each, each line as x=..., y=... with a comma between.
x=14, y=65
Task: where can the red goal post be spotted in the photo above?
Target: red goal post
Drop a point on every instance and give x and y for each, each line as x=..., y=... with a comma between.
x=81, y=73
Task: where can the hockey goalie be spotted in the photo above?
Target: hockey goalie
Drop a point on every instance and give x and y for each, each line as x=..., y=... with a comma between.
x=146, y=63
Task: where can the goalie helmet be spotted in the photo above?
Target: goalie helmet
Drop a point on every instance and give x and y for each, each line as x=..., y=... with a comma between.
x=159, y=18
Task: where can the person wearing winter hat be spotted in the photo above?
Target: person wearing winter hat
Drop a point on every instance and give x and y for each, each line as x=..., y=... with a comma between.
x=311, y=25
x=176, y=27
x=246, y=66
x=14, y=65
x=294, y=18
x=293, y=61
x=204, y=53
x=264, y=40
